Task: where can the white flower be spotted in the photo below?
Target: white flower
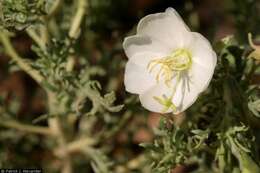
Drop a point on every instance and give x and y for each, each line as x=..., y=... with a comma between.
x=169, y=66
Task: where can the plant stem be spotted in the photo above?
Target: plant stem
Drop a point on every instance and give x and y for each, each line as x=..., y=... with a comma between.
x=31, y=32
x=23, y=64
x=77, y=145
x=26, y=128
x=55, y=123
x=82, y=4
x=55, y=7
x=74, y=29
x=56, y=127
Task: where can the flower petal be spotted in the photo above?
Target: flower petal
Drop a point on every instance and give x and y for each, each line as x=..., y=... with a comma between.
x=186, y=94
x=202, y=52
x=200, y=76
x=143, y=59
x=137, y=79
x=149, y=102
x=158, y=35
x=138, y=44
x=167, y=27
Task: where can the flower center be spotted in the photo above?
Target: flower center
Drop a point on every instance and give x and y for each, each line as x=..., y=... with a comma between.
x=170, y=67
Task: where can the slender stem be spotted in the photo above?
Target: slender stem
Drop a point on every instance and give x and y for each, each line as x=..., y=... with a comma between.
x=31, y=32
x=56, y=127
x=84, y=142
x=74, y=29
x=26, y=128
x=77, y=145
x=44, y=33
x=55, y=123
x=55, y=7
x=76, y=21
x=23, y=64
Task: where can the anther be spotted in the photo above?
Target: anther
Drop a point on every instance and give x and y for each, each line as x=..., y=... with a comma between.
x=169, y=67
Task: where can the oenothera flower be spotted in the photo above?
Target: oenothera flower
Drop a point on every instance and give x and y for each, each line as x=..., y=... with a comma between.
x=169, y=66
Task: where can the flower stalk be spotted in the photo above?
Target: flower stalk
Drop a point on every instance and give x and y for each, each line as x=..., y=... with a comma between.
x=36, y=38
x=81, y=10
x=23, y=64
x=26, y=128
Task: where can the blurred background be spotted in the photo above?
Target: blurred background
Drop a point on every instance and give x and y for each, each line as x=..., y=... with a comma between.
x=105, y=26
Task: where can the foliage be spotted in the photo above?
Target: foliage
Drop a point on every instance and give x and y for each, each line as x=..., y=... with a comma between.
x=19, y=14
x=217, y=129
x=74, y=55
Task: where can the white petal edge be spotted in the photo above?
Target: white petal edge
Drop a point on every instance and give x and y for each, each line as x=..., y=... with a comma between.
x=184, y=97
x=202, y=52
x=144, y=58
x=200, y=76
x=147, y=98
x=138, y=44
x=186, y=94
x=192, y=85
x=174, y=13
x=168, y=27
x=137, y=79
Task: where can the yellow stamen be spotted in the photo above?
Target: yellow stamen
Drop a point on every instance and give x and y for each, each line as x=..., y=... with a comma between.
x=170, y=67
x=178, y=61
